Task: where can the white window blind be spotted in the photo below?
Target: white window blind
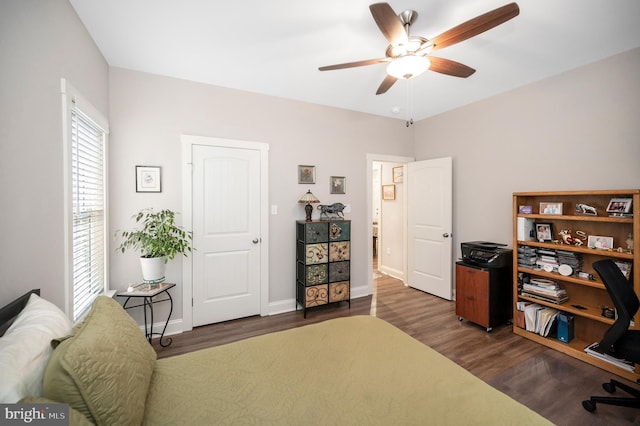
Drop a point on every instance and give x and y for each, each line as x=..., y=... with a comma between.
x=88, y=209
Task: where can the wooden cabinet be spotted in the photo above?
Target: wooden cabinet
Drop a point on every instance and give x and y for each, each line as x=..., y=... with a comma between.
x=323, y=257
x=483, y=296
x=586, y=292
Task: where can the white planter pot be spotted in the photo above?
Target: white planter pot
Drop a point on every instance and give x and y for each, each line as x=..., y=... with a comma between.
x=153, y=269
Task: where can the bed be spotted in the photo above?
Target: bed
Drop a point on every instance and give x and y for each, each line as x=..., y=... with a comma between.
x=355, y=370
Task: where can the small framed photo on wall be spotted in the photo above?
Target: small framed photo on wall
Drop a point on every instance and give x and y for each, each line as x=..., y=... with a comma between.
x=388, y=192
x=306, y=174
x=148, y=179
x=338, y=185
x=398, y=174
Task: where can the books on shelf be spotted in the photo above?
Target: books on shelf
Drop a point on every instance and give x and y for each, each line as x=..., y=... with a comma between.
x=543, y=289
x=595, y=350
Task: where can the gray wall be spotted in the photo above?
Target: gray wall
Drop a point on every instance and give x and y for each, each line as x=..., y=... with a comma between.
x=41, y=41
x=150, y=112
x=576, y=130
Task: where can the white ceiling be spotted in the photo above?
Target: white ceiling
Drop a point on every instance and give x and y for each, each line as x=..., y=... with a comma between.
x=275, y=47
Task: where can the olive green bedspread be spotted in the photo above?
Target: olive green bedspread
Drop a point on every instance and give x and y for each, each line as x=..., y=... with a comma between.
x=348, y=371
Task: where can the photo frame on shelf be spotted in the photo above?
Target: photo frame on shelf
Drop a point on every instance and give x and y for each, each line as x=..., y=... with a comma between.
x=625, y=267
x=398, y=174
x=388, y=192
x=619, y=205
x=148, y=179
x=338, y=185
x=600, y=242
x=306, y=174
x=544, y=232
x=550, y=208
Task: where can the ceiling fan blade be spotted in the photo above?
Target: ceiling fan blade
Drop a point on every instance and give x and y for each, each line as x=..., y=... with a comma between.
x=475, y=26
x=386, y=84
x=389, y=24
x=449, y=67
x=354, y=64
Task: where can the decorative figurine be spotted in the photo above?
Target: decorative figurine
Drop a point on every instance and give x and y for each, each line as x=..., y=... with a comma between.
x=565, y=234
x=629, y=242
x=334, y=209
x=586, y=209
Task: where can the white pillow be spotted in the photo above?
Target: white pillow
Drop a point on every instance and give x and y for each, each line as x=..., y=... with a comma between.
x=26, y=346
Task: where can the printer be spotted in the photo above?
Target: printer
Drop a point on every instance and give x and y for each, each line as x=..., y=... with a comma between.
x=486, y=254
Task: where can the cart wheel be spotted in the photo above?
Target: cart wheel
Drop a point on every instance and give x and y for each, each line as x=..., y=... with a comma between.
x=609, y=387
x=460, y=318
x=489, y=329
x=589, y=406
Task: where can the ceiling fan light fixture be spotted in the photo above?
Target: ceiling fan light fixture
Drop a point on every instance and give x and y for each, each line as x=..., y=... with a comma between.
x=408, y=66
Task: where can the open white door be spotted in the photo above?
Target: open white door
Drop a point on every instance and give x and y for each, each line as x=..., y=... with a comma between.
x=429, y=226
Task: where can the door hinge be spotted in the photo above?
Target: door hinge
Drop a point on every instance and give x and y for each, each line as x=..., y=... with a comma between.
x=192, y=302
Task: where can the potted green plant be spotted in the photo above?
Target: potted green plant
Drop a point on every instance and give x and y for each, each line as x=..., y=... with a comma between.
x=159, y=240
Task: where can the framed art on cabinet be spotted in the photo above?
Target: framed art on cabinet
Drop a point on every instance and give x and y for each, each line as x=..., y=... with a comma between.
x=306, y=174
x=388, y=192
x=148, y=179
x=338, y=185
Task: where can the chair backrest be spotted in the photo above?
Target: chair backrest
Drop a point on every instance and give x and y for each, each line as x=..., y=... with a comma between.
x=624, y=299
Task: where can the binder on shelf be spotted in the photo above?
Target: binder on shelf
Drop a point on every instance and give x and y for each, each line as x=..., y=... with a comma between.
x=525, y=229
x=565, y=328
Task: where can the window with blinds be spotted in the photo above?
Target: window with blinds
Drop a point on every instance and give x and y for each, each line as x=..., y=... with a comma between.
x=88, y=210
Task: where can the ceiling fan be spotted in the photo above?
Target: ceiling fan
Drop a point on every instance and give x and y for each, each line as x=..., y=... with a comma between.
x=409, y=56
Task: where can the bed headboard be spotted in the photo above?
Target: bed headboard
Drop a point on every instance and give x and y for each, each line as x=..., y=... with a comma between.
x=9, y=312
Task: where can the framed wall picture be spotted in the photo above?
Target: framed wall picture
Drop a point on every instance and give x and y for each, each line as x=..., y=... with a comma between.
x=550, y=208
x=398, y=174
x=306, y=174
x=338, y=185
x=148, y=179
x=544, y=232
x=388, y=192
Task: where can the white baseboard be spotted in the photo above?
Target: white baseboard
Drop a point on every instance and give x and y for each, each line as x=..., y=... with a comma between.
x=275, y=308
x=395, y=273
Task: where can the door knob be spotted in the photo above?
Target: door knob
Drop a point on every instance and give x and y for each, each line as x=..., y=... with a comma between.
x=446, y=235
x=255, y=241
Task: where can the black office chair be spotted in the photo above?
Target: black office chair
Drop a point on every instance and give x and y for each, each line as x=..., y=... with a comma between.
x=618, y=341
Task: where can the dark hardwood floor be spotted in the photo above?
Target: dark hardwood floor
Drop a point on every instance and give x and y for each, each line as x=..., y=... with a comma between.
x=545, y=380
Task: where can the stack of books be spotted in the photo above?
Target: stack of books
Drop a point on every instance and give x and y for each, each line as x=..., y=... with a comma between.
x=527, y=257
x=547, y=290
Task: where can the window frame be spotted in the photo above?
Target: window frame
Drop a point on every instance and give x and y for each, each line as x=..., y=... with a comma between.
x=73, y=100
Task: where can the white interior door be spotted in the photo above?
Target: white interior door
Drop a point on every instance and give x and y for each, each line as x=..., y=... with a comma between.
x=429, y=226
x=226, y=233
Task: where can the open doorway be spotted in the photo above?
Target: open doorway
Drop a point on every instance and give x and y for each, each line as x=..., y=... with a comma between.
x=386, y=217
